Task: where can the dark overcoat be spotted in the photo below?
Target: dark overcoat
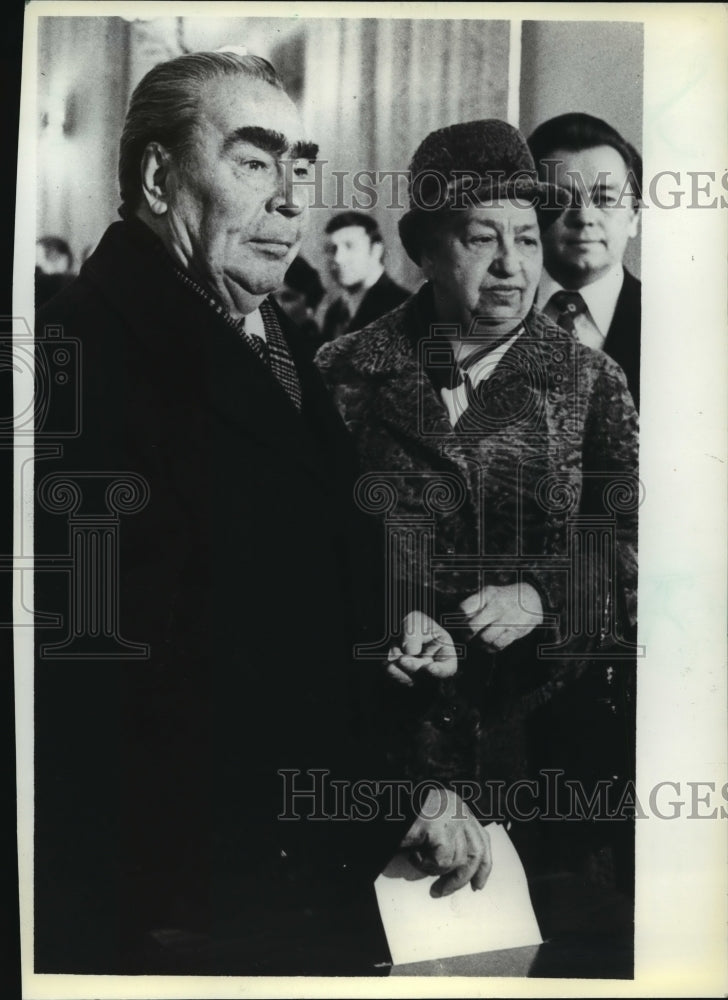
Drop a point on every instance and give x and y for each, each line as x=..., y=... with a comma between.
x=218, y=652
x=623, y=341
x=384, y=295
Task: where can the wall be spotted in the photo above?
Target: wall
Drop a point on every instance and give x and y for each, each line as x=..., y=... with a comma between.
x=591, y=66
x=375, y=90
x=82, y=90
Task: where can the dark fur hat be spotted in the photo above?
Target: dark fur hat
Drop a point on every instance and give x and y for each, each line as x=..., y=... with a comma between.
x=463, y=165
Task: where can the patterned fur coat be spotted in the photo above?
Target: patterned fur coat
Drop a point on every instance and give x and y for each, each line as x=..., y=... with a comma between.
x=545, y=489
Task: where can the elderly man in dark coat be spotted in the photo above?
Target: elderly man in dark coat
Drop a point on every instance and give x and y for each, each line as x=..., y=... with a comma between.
x=200, y=693
x=529, y=549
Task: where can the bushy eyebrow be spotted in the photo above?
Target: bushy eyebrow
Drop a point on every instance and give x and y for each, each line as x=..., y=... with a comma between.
x=304, y=150
x=496, y=224
x=266, y=139
x=271, y=142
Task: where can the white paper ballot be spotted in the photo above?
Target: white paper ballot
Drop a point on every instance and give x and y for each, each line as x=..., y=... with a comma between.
x=419, y=927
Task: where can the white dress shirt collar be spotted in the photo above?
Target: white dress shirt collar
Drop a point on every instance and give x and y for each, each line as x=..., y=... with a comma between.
x=254, y=324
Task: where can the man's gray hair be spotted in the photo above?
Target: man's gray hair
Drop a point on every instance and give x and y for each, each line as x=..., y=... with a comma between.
x=163, y=109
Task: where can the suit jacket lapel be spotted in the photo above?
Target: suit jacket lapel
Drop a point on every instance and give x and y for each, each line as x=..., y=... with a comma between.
x=620, y=335
x=623, y=338
x=321, y=415
x=371, y=307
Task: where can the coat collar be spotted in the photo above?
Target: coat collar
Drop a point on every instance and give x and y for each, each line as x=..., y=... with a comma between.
x=391, y=351
x=390, y=355
x=199, y=360
x=392, y=346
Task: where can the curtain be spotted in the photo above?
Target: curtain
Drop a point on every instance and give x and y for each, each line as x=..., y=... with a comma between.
x=374, y=88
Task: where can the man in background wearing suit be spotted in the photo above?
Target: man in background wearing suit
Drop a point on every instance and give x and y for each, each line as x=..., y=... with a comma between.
x=355, y=250
x=585, y=287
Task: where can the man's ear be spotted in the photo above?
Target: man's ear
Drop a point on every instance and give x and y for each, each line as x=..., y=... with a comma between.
x=155, y=173
x=634, y=225
x=426, y=265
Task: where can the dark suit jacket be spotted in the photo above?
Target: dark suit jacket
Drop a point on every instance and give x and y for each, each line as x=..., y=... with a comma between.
x=381, y=298
x=623, y=337
x=157, y=784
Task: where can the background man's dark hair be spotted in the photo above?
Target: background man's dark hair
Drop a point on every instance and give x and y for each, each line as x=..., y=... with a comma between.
x=345, y=219
x=55, y=247
x=164, y=106
x=575, y=131
x=305, y=279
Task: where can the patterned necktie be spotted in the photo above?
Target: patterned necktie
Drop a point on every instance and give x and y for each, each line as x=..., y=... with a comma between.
x=274, y=353
x=257, y=345
x=280, y=360
x=564, y=307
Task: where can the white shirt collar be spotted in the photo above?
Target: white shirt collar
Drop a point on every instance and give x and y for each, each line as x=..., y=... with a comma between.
x=600, y=296
x=254, y=324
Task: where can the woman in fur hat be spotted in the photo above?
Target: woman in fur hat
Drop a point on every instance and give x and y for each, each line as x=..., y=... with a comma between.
x=506, y=454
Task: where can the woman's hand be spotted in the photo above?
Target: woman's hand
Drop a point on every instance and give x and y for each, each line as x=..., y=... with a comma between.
x=425, y=645
x=497, y=616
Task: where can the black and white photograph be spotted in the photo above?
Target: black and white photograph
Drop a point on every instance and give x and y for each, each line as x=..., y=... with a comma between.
x=368, y=369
